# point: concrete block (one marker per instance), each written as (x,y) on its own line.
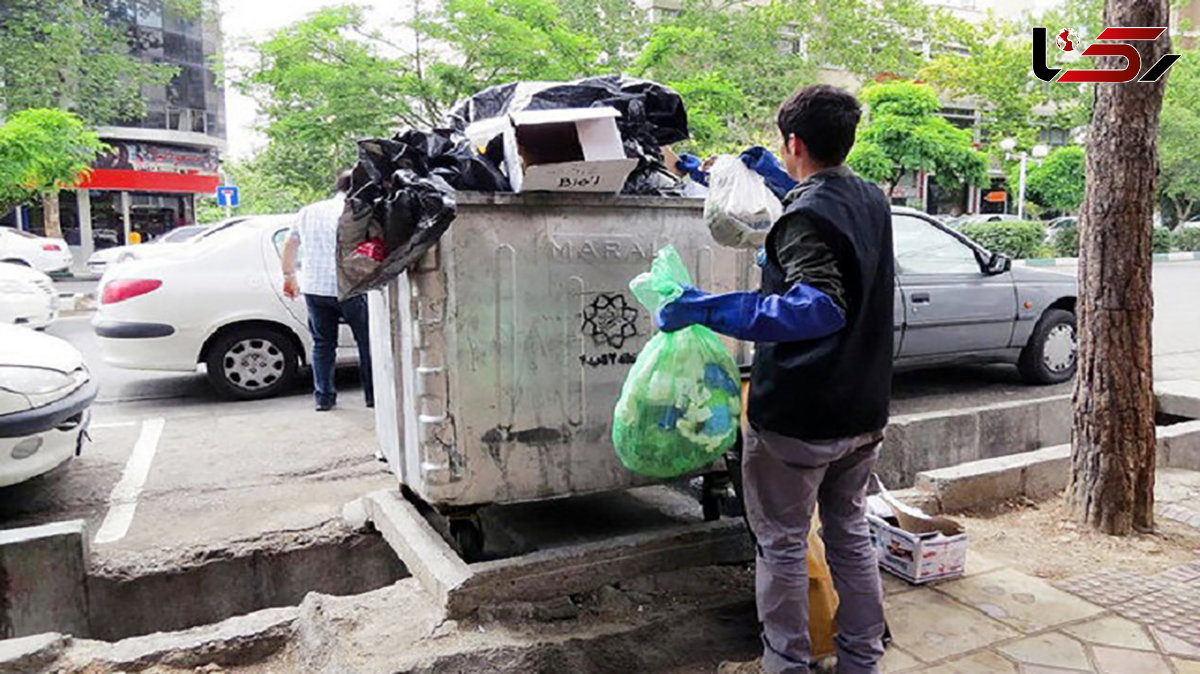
(238,641)
(1008,429)
(43,580)
(1179,445)
(925,501)
(938,439)
(579,568)
(428,557)
(1180,398)
(974,483)
(30,654)
(1055,419)
(1046,472)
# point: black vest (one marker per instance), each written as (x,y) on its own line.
(836,386)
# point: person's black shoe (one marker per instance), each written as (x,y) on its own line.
(324,407)
(370,404)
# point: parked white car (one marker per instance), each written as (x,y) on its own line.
(46,394)
(42,253)
(27,297)
(217,300)
(102,259)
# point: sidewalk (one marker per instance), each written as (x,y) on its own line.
(998,620)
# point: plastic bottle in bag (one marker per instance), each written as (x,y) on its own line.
(739,209)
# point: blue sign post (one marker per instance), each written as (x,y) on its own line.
(227,196)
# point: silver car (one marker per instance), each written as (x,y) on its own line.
(958,303)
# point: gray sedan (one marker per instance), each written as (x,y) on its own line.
(958,303)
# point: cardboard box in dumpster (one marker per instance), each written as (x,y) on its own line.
(913,545)
(566,150)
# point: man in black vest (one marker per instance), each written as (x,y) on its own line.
(822,327)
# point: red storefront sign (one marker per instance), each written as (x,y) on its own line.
(149,181)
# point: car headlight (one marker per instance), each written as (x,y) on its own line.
(17,288)
(34,380)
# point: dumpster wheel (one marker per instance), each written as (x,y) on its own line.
(467,533)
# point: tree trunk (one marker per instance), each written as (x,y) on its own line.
(1113,448)
(50,215)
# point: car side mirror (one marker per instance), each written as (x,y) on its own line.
(998,264)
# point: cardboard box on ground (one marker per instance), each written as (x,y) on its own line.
(563,150)
(912,545)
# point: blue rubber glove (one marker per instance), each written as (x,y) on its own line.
(803,313)
(760,160)
(690,164)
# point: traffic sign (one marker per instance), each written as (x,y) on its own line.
(227,196)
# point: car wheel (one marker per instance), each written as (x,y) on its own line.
(1051,355)
(251,363)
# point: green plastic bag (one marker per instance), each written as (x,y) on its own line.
(681,403)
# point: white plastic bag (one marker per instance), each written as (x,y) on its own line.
(740,208)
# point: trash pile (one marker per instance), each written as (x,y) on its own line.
(600,134)
(680,406)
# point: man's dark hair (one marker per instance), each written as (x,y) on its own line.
(343,182)
(824,117)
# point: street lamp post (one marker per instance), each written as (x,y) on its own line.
(1039,151)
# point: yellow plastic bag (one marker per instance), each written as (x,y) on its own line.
(822,597)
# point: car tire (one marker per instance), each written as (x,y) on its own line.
(1051,355)
(252,362)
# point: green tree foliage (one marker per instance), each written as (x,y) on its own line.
(735,62)
(1017,240)
(261,191)
(67,54)
(1057,183)
(1179,127)
(903,134)
(335,77)
(42,151)
(991,68)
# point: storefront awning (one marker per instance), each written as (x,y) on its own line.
(149,181)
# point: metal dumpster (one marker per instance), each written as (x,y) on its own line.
(499,357)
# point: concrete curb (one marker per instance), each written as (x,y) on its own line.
(1042,473)
(75,303)
(462,588)
(236,641)
(1073,261)
(1034,475)
(30,654)
(31,556)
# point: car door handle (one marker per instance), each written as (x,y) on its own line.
(920,298)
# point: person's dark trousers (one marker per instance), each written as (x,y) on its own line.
(324,314)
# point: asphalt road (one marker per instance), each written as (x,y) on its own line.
(216,472)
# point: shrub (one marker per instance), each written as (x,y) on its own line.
(1162,240)
(1188,240)
(1066,242)
(1018,240)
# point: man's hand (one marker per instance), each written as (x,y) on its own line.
(683,311)
(290,288)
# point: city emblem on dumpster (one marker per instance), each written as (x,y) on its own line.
(1066,41)
(610,320)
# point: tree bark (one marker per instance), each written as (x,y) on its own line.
(1113,448)
(51,218)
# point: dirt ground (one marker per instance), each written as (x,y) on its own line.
(1041,540)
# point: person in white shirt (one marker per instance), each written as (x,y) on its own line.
(315,239)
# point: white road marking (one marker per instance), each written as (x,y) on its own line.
(123,502)
(115,424)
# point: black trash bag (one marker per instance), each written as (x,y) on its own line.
(652,116)
(399,198)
